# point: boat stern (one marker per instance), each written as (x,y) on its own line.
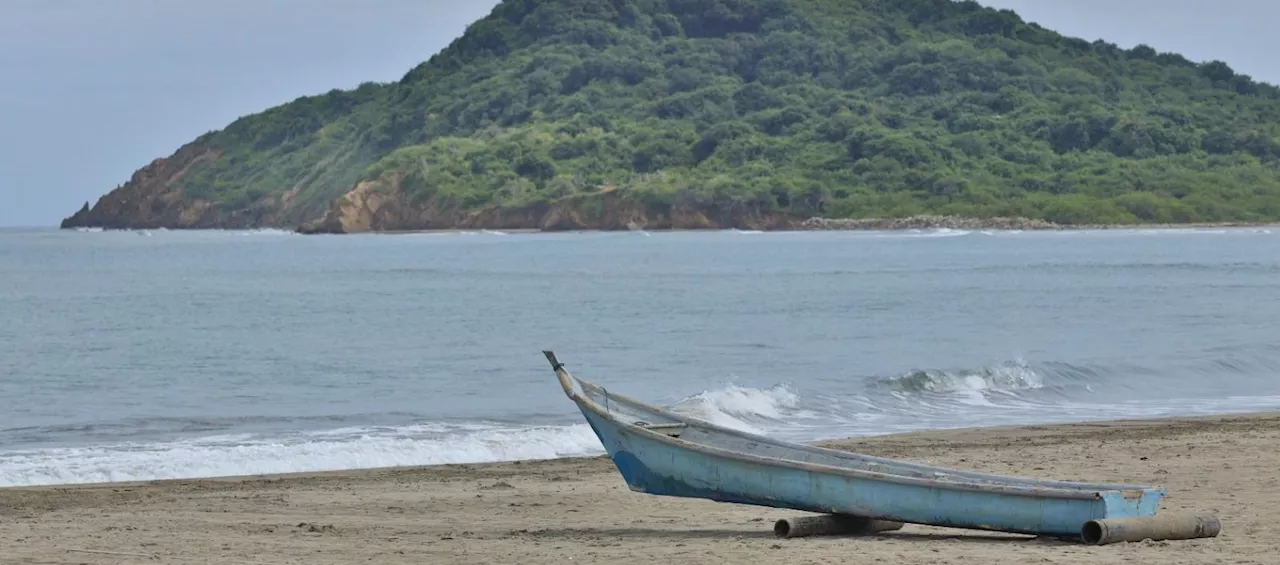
(1132,503)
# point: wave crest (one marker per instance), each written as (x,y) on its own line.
(1009,376)
(742,408)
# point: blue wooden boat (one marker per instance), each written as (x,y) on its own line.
(663,453)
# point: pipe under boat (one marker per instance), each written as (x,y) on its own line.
(1165,527)
(831,525)
(1155,528)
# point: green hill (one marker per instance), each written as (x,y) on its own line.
(746,113)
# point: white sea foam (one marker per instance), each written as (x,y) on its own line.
(919,233)
(264,231)
(743,408)
(350,448)
(748,409)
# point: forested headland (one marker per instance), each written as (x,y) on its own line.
(608,114)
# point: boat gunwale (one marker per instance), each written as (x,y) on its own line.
(1087,491)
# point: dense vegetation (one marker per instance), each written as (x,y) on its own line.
(839,108)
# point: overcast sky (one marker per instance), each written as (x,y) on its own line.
(91,90)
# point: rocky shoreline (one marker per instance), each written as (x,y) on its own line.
(922,222)
(1004,224)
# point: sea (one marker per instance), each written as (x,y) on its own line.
(138,355)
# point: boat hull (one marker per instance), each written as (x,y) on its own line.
(723,465)
(654,467)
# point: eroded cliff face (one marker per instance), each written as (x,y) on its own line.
(149,199)
(382,207)
(153,199)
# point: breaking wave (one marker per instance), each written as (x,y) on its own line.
(742,408)
(348,448)
(1009,392)
(1006,393)
(1010,376)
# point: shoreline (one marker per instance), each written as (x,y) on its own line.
(844,443)
(1071,427)
(913,223)
(552,511)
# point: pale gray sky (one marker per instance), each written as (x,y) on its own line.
(91,90)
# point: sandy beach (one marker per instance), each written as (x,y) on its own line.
(580,511)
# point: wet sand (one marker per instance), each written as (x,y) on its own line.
(580,511)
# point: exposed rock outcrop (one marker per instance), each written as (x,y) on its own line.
(373,206)
(150,199)
(153,199)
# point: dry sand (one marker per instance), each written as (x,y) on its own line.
(579,510)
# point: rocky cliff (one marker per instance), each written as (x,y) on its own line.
(149,199)
(374,206)
(153,198)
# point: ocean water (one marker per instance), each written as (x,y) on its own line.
(166,354)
